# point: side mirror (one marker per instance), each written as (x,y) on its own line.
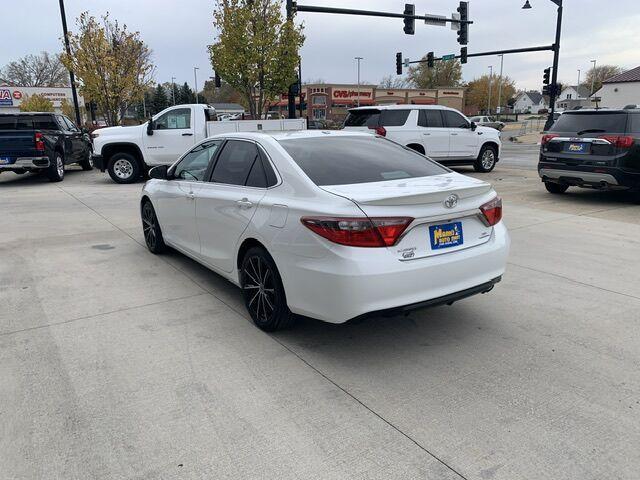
(159,172)
(150,126)
(473,126)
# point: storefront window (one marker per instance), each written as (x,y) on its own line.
(319,113)
(319,100)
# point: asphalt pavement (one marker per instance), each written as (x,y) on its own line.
(115,363)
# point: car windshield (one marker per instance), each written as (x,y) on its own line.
(345,160)
(591,122)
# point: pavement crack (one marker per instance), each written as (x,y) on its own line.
(370,409)
(88,317)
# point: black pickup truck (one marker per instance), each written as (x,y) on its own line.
(42,142)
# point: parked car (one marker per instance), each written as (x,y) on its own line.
(593,149)
(441,133)
(42,142)
(488,122)
(331,225)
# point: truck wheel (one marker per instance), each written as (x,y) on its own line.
(124,168)
(55,172)
(87,162)
(486,159)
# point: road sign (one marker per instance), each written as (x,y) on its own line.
(438,20)
(455,25)
(406,62)
(450,56)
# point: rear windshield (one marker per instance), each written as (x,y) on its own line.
(591,122)
(350,159)
(374,118)
(27,122)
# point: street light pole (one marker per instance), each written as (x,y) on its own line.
(195,79)
(72,77)
(500,85)
(490,85)
(578,83)
(173,89)
(358,60)
(593,76)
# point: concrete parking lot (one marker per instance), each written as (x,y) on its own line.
(115,363)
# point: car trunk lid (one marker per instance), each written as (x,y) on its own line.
(440,205)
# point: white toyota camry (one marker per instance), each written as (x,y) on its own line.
(331,225)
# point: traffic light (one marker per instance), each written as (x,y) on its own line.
(546,90)
(216,80)
(409,23)
(399,63)
(294,89)
(546,76)
(463,33)
(430,61)
(463,55)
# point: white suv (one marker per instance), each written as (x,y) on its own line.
(442,133)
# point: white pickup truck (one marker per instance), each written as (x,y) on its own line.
(128,152)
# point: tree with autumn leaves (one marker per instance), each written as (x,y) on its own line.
(112,64)
(256,50)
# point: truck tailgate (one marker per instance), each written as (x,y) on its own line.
(16,143)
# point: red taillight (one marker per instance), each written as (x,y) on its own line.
(359,231)
(547,138)
(620,141)
(492,211)
(380,130)
(39,142)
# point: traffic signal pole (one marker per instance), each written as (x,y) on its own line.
(496,52)
(554,76)
(72,77)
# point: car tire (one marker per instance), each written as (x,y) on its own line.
(263,292)
(124,168)
(87,162)
(55,172)
(555,187)
(487,159)
(151,229)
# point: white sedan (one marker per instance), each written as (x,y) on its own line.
(331,225)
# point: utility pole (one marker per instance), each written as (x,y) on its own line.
(72,77)
(499,109)
(593,76)
(173,89)
(195,79)
(490,85)
(358,60)
(578,83)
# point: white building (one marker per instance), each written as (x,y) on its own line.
(573,96)
(12,97)
(530,102)
(620,90)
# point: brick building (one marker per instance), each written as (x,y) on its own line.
(332,101)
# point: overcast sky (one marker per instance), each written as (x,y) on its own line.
(179,30)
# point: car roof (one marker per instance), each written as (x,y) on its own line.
(403,106)
(28,113)
(293,134)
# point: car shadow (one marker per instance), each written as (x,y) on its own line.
(31,179)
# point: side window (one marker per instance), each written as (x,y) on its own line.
(174,119)
(194,164)
(72,126)
(430,118)
(235,162)
(257,177)
(394,118)
(454,120)
(270,175)
(62,123)
(44,122)
(634,123)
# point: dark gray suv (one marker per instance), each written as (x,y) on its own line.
(592,148)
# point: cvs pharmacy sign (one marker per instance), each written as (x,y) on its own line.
(5,97)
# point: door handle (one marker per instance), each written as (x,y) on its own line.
(454,134)
(426,134)
(244,203)
(187,134)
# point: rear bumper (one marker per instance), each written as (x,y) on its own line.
(27,163)
(341,286)
(98,162)
(588,176)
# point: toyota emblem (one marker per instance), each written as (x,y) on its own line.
(451,201)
